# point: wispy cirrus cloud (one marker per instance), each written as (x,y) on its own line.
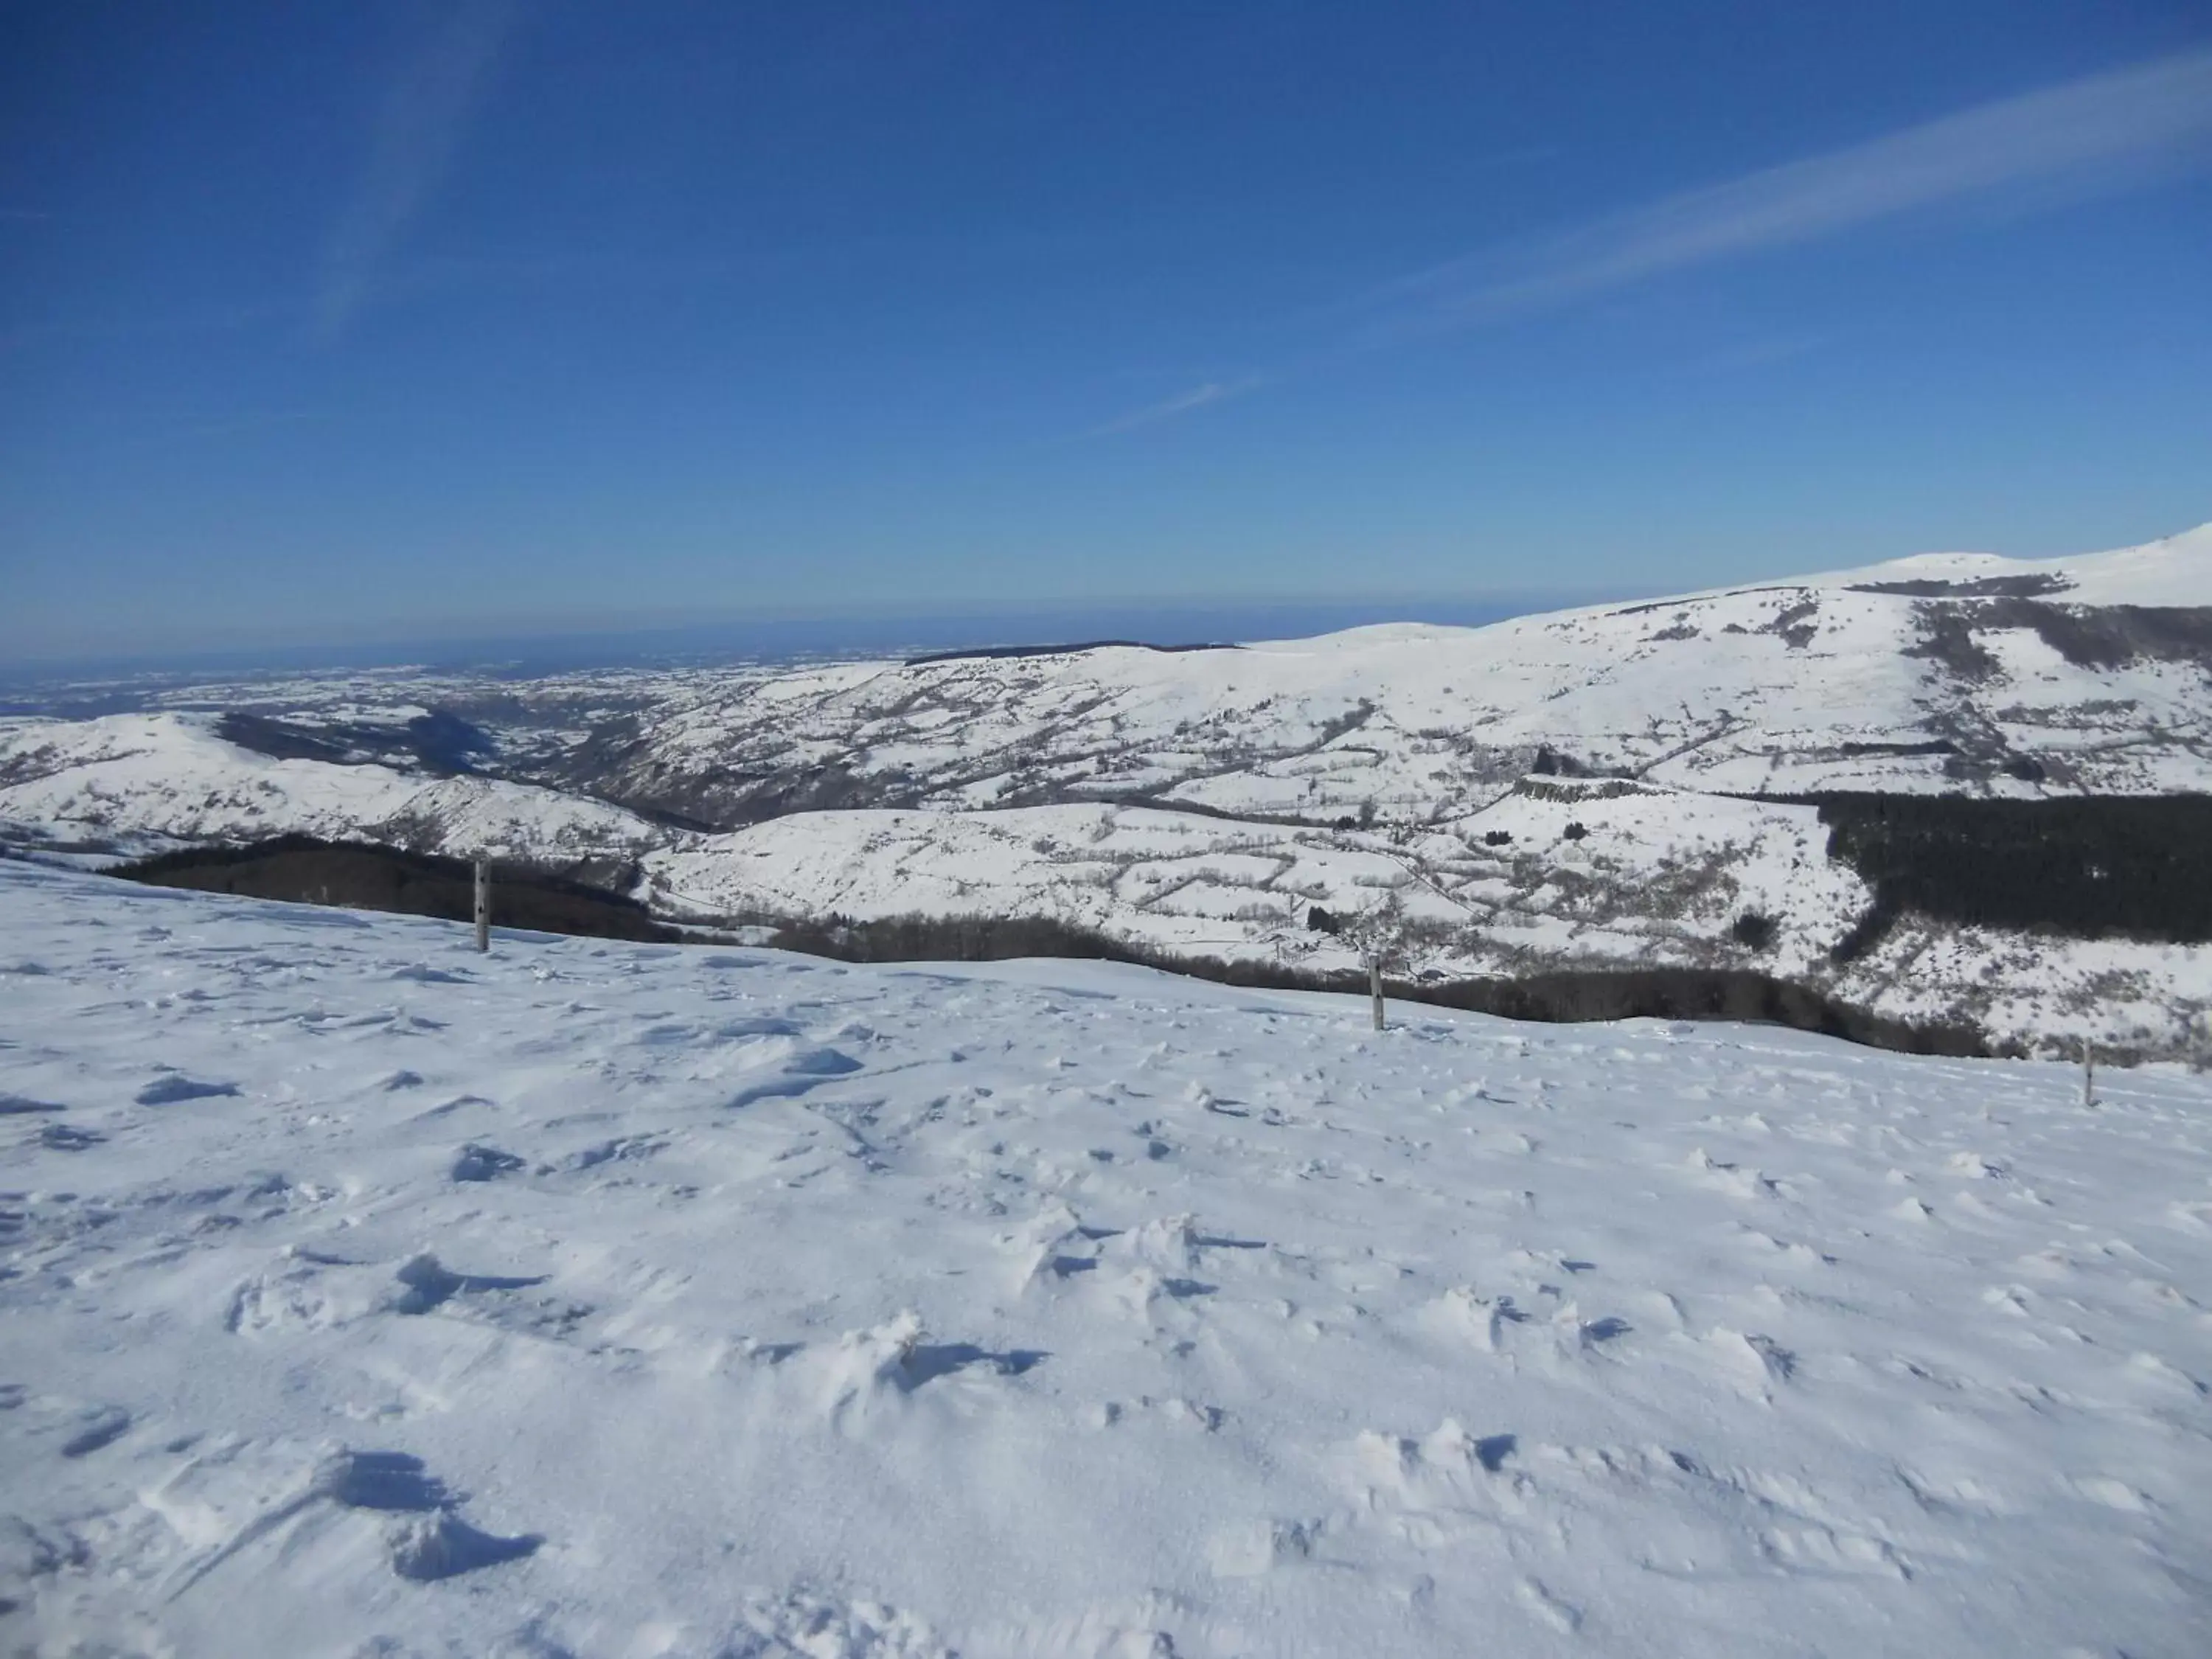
(424,114)
(1198,397)
(2090,136)
(2098,135)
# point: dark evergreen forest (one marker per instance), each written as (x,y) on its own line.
(2130,866)
(361,876)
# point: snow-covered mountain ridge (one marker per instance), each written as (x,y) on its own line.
(1600,788)
(2016,678)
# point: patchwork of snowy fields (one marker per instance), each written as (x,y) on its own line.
(365,1296)
(1584,790)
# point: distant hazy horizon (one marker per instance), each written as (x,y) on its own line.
(25,685)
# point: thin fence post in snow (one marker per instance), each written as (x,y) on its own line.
(2089,1073)
(1375,985)
(483,904)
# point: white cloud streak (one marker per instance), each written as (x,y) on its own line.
(2092,135)
(1199,397)
(424,114)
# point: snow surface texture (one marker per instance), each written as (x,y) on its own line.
(365,1296)
(1202,803)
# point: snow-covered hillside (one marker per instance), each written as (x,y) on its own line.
(363,1295)
(1948,672)
(1593,789)
(170,778)
(1658,879)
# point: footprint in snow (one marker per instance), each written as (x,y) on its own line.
(1257,1547)
(868,1371)
(443,1545)
(426,1283)
(802,1070)
(431,1542)
(79,1429)
(97,1428)
(757,1026)
(309,1291)
(176,1087)
(478,1162)
(392,1482)
(800,1622)
(625,1149)
(1562,1616)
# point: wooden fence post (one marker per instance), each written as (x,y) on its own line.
(2089,1073)
(1374,984)
(483,903)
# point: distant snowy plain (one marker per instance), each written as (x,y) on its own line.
(365,1296)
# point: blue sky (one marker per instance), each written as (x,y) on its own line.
(329,323)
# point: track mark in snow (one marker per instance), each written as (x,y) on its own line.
(623,1149)
(1433,1490)
(1174,1411)
(1484,1320)
(1753,1363)
(310,1291)
(1730,1178)
(1259,1547)
(480,1162)
(224,1502)
(176,1087)
(868,1371)
(1561,1616)
(811,1626)
(1975,1167)
(421,974)
(425,1283)
(426,1548)
(392,1482)
(100,1427)
(802,1070)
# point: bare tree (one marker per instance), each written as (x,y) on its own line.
(1378,934)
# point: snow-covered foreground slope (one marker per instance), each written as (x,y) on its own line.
(363,1295)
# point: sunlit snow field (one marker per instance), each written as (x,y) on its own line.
(365,1296)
